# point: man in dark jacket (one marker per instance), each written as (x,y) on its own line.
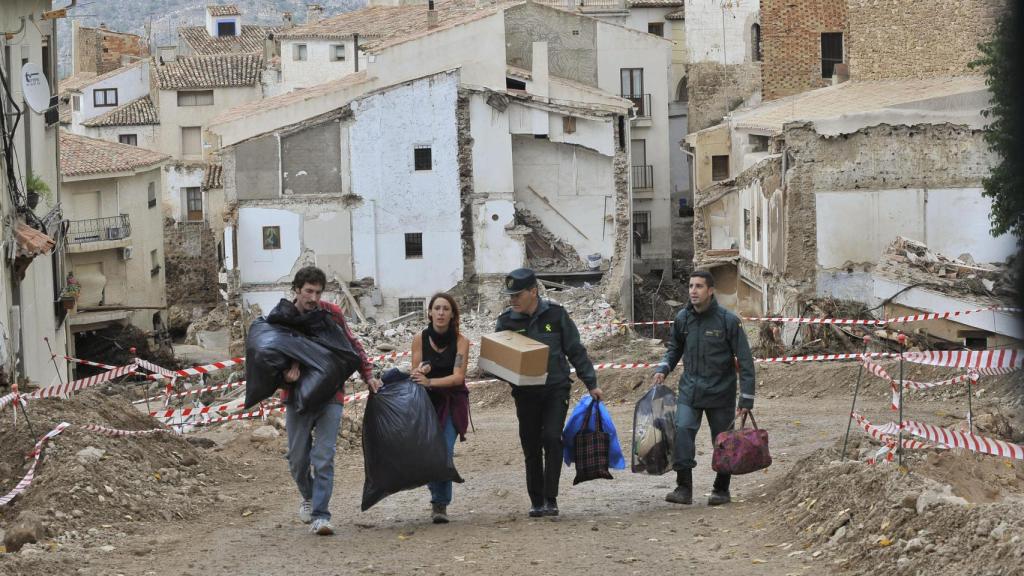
(541,409)
(710,341)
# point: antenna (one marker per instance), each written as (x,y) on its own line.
(35,87)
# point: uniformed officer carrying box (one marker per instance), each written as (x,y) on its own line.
(514,358)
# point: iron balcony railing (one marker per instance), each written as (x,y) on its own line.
(642,103)
(570,4)
(99,229)
(643,177)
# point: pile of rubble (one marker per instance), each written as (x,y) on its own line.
(956,513)
(544,250)
(912,262)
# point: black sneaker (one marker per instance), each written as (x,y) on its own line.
(719,497)
(536,511)
(681,495)
(550,507)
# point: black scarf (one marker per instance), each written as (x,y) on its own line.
(443,339)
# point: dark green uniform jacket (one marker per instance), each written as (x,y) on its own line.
(551,325)
(707,343)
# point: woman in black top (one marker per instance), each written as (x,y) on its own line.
(440,355)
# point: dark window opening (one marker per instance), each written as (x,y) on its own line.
(422,158)
(755,42)
(719,168)
(413,245)
(129,139)
(758,143)
(642,226)
(193,204)
(152,194)
(656,28)
(513,84)
(104,97)
(622,133)
(225,28)
(568,124)
(410,305)
(831,52)
(746,229)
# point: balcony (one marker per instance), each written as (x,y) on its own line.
(99,234)
(587,5)
(642,104)
(643,178)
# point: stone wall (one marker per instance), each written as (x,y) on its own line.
(100,51)
(791,43)
(715,89)
(875,158)
(571,39)
(190,255)
(919,39)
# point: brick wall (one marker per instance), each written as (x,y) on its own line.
(791,43)
(919,39)
(100,51)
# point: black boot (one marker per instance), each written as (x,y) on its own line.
(683,494)
(551,507)
(720,490)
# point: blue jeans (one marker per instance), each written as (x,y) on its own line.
(687,424)
(311,443)
(441,492)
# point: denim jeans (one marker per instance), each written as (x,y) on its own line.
(441,492)
(311,443)
(687,424)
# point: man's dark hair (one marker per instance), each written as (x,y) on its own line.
(309,275)
(708,278)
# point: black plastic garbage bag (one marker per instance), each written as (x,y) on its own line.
(403,445)
(314,340)
(654,431)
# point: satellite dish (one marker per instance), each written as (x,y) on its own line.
(35,87)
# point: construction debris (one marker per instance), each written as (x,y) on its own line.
(911,262)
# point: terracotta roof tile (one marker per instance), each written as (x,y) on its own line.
(223,10)
(82,156)
(212,177)
(250,41)
(218,71)
(31,242)
(82,79)
(677,15)
(138,112)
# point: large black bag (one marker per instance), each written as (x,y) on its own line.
(314,340)
(403,445)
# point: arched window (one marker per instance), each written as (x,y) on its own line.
(682,94)
(755,42)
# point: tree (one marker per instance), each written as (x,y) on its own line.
(1005,185)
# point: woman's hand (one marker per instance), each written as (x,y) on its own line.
(420,378)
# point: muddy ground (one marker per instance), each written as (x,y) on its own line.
(230,506)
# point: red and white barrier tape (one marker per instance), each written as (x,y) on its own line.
(114,433)
(945,315)
(788,320)
(972,442)
(258,413)
(887,434)
(226,386)
(824,357)
(978,359)
(86,362)
(186,412)
(879,371)
(147,365)
(76,385)
(388,356)
(37,453)
(205,369)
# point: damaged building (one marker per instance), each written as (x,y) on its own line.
(428,180)
(803,196)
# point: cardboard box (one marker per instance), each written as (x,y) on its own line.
(514,358)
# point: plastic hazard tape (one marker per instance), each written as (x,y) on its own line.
(205,369)
(894,384)
(844,321)
(978,359)
(76,385)
(186,412)
(388,356)
(114,433)
(37,453)
(945,315)
(146,365)
(972,442)
(258,413)
(226,386)
(887,433)
(86,362)
(824,357)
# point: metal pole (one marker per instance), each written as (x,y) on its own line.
(853,406)
(899,445)
(53,358)
(972,380)
(18,404)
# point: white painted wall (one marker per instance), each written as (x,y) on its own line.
(147,135)
(719,30)
(856,226)
(259,266)
(318,67)
(131,83)
(177,177)
(399,200)
(213,21)
(174,117)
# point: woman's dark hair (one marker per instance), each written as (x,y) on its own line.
(309,275)
(451,302)
(708,278)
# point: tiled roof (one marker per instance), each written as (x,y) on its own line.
(288,98)
(378,24)
(676,15)
(223,10)
(82,79)
(138,112)
(212,177)
(31,242)
(250,41)
(82,156)
(852,97)
(656,3)
(219,71)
